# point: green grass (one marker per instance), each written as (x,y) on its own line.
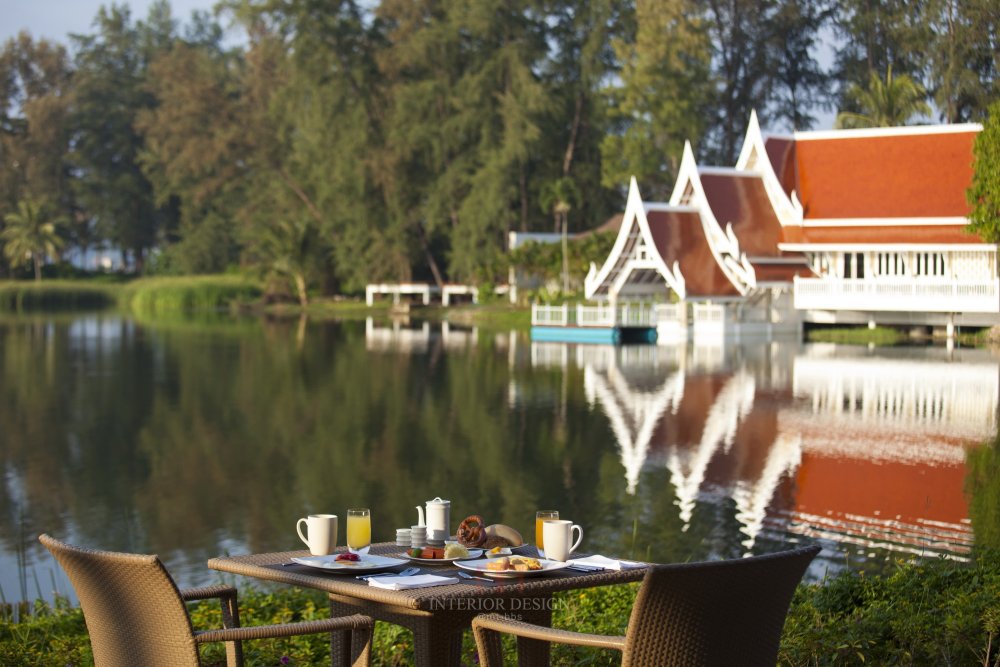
(857,336)
(936,613)
(168,295)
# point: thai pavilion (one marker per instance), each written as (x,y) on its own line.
(855,226)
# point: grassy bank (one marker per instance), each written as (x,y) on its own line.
(939,613)
(155,296)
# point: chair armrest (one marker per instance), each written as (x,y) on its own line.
(487,630)
(355,622)
(207,592)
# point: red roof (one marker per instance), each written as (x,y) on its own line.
(781,273)
(908,174)
(679,236)
(742,201)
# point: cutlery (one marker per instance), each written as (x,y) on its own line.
(585,568)
(405,573)
(466,575)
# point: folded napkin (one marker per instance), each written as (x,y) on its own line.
(394,583)
(606,563)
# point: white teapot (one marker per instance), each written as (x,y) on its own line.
(438,516)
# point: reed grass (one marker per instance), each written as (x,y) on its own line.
(166,295)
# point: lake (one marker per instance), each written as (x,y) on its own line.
(192,439)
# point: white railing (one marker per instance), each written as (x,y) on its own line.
(671,312)
(901,294)
(602,315)
(595,316)
(551,316)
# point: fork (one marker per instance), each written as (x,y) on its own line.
(405,573)
(466,575)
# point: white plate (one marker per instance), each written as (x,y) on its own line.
(479,566)
(473,553)
(368,563)
(506,551)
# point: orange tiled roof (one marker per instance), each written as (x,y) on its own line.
(896,175)
(679,236)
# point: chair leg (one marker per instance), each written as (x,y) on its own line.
(231,619)
(489,647)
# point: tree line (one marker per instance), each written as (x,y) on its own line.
(343,142)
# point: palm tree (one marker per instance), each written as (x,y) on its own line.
(559,197)
(31,234)
(884,103)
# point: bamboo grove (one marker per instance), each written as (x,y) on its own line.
(324,144)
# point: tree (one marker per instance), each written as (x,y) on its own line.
(195,151)
(31,235)
(558,198)
(665,96)
(740,32)
(878,35)
(964,59)
(984,193)
(799,83)
(884,103)
(110,93)
(35,98)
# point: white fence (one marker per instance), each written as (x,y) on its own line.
(925,295)
(624,315)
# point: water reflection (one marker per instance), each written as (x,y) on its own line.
(862,448)
(191,439)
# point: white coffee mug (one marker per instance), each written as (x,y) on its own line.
(557,535)
(322,533)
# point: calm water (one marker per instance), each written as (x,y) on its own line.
(196,439)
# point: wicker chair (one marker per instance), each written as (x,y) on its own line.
(715,613)
(136,615)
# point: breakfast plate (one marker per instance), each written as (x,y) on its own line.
(473,553)
(368,563)
(480,567)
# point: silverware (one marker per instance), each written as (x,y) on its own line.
(466,575)
(405,573)
(585,568)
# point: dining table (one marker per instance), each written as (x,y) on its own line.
(438,615)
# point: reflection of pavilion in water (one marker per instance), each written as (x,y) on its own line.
(399,335)
(862,450)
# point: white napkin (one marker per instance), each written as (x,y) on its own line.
(393,583)
(606,563)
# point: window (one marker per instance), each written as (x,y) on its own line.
(854,265)
(929,264)
(890,264)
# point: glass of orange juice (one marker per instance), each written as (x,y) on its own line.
(541,516)
(359,530)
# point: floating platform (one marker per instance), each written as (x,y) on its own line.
(594,335)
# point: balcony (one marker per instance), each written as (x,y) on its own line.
(898,294)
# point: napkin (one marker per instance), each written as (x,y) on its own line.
(394,583)
(606,563)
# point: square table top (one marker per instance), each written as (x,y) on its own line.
(277,567)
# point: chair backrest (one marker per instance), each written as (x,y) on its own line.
(716,613)
(133,610)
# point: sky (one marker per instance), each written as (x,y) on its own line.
(55,19)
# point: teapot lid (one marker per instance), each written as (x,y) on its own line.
(438,501)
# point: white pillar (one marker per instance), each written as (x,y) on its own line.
(950,327)
(871,324)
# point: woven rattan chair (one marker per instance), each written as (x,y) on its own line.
(689,615)
(136,615)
